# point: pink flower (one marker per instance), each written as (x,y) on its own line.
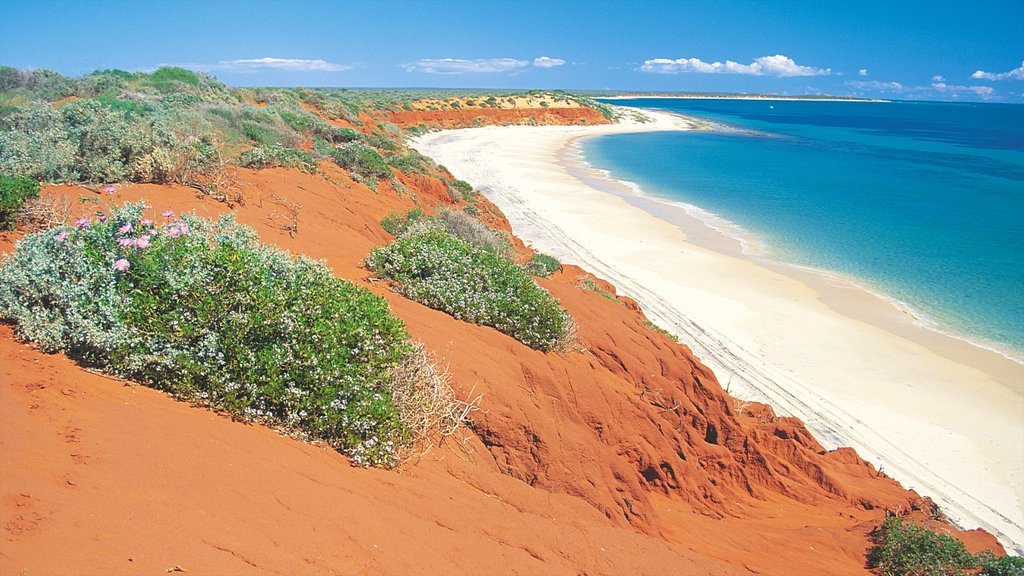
(168,214)
(146,222)
(126,242)
(61,236)
(152,231)
(102,217)
(82,222)
(126,229)
(121,265)
(183,226)
(110,190)
(142,242)
(173,232)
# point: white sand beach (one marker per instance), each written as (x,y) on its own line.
(940,415)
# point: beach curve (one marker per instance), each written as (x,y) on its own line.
(942,419)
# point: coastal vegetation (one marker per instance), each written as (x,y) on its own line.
(473,284)
(13,193)
(904,548)
(202,310)
(178,126)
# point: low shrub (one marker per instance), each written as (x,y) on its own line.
(991,565)
(260,134)
(543,265)
(362,161)
(272,155)
(13,193)
(473,284)
(905,549)
(396,224)
(202,310)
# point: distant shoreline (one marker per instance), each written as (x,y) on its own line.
(739,97)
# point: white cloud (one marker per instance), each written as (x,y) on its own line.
(777,65)
(875,85)
(545,62)
(955,91)
(460,66)
(1015,74)
(863,72)
(282,64)
(938,78)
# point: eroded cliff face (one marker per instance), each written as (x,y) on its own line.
(623,456)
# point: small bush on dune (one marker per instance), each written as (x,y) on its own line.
(903,548)
(473,284)
(202,310)
(274,155)
(542,265)
(396,224)
(13,193)
(362,160)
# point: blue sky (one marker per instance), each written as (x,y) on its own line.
(894,49)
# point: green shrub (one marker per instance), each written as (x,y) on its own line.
(267,156)
(999,566)
(260,134)
(472,284)
(13,193)
(362,161)
(168,74)
(396,224)
(906,549)
(202,310)
(542,265)
(461,190)
(86,141)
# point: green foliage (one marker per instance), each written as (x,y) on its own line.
(461,190)
(202,310)
(411,162)
(168,74)
(661,330)
(999,566)
(592,285)
(91,142)
(117,104)
(906,549)
(13,193)
(475,285)
(362,160)
(272,155)
(396,224)
(260,134)
(542,265)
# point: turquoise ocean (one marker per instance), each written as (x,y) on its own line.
(922,202)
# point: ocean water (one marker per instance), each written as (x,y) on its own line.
(922,202)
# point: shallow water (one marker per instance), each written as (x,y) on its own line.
(920,201)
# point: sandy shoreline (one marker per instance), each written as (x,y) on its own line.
(941,416)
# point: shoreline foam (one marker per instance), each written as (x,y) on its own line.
(826,354)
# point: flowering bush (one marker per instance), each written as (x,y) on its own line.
(202,310)
(473,284)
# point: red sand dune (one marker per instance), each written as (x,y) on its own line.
(623,458)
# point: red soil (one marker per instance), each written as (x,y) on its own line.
(625,457)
